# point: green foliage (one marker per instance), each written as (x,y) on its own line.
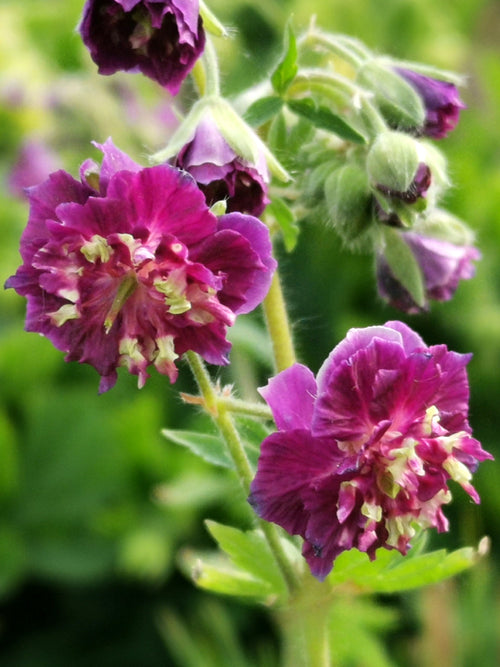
(403,265)
(322,118)
(285,72)
(263,110)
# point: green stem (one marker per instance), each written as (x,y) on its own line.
(259,410)
(278,326)
(304,627)
(209,59)
(221,416)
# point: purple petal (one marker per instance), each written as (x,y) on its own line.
(291,395)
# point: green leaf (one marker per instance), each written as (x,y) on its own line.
(284,74)
(321,117)
(403,265)
(391,572)
(263,110)
(211,448)
(285,218)
(214,572)
(250,553)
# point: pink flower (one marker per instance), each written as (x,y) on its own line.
(128,267)
(161,38)
(364,452)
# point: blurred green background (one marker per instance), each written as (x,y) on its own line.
(94,505)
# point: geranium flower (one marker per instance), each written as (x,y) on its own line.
(161,38)
(364,452)
(442,265)
(128,267)
(221,173)
(441,100)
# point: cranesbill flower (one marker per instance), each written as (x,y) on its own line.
(442,265)
(160,38)
(364,452)
(128,267)
(441,100)
(221,173)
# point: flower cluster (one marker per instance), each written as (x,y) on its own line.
(364,452)
(128,267)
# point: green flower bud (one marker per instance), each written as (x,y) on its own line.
(348,199)
(443,225)
(392,162)
(398,101)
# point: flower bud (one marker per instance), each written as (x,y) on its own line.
(441,100)
(397,99)
(348,199)
(393,163)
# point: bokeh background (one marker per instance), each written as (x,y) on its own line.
(95,506)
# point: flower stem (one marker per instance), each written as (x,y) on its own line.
(209,58)
(278,326)
(220,414)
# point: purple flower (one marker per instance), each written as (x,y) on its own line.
(441,100)
(442,265)
(161,38)
(364,452)
(221,173)
(128,267)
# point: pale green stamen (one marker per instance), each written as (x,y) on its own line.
(96,248)
(67,312)
(125,290)
(174,290)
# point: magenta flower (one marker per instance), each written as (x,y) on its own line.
(221,173)
(161,38)
(442,266)
(364,452)
(441,100)
(128,267)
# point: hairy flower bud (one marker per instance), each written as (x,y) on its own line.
(348,200)
(395,167)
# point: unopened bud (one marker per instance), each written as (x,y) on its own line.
(348,200)
(395,167)
(399,102)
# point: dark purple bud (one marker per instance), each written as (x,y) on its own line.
(441,99)
(160,38)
